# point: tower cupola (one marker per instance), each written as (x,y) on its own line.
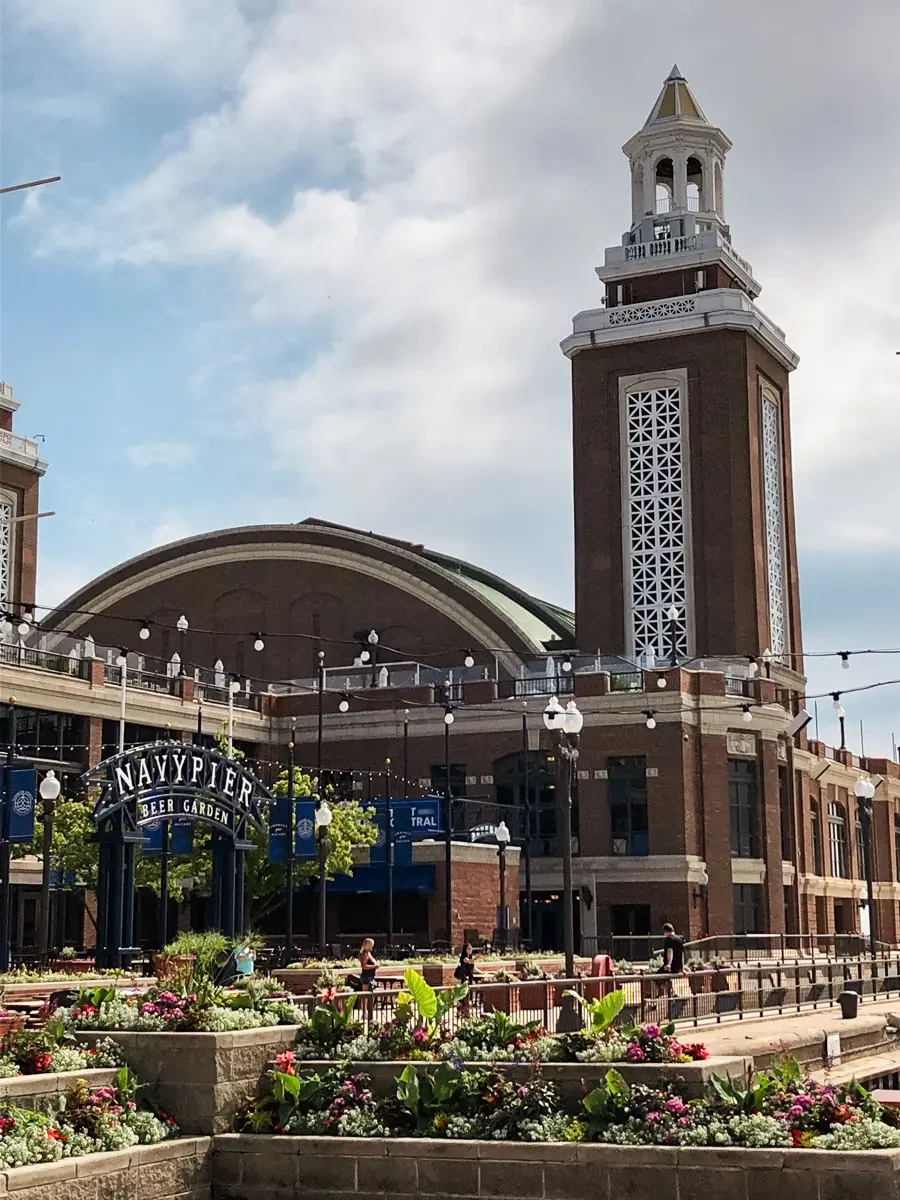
(677,163)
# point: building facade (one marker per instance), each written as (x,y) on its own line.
(696,799)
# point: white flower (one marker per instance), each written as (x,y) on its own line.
(864,1133)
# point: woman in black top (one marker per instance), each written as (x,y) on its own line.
(367,964)
(465,972)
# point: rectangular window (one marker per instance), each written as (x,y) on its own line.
(699,281)
(743,803)
(629,825)
(457,779)
(747,902)
(860,851)
(656,520)
(773,491)
(816,831)
(838,850)
(897,848)
(784,800)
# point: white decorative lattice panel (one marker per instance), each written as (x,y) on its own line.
(7,512)
(655,310)
(773,495)
(656,520)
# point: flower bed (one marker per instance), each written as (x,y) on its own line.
(419,1032)
(206,1011)
(87,1121)
(780,1109)
(53,1049)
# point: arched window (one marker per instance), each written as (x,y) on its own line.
(719,200)
(665,185)
(815,818)
(837,841)
(7,547)
(696,200)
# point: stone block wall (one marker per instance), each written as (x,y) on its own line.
(279,1168)
(202,1078)
(39,1091)
(178,1170)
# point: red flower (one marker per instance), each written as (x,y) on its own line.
(55,1135)
(796,1135)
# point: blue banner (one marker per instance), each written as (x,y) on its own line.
(182,839)
(62,879)
(305,828)
(20,789)
(153,832)
(412,821)
(279,832)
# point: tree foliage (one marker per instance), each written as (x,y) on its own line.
(74,851)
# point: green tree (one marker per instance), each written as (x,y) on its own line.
(74,851)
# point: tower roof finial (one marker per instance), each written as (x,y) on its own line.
(676,100)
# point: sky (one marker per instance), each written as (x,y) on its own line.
(315,257)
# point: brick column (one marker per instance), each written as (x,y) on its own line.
(94,740)
(770,812)
(711,782)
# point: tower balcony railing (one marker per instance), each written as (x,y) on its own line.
(716,300)
(24,446)
(709,239)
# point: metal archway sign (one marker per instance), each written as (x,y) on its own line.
(162,782)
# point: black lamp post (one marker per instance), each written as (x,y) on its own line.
(289,865)
(6,849)
(672,615)
(448,828)
(864,790)
(406,754)
(389,850)
(565,725)
(320,682)
(323,820)
(526,846)
(182,626)
(839,709)
(49,789)
(502,834)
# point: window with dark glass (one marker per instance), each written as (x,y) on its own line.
(784,802)
(896,847)
(815,820)
(747,902)
(629,824)
(457,779)
(838,850)
(743,803)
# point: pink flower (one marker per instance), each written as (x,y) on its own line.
(795,1112)
(653,1118)
(676,1105)
(651,1032)
(635,1054)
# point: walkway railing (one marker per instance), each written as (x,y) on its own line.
(748,948)
(696,998)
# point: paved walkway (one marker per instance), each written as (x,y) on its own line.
(780,1034)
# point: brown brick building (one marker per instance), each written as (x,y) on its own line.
(693,802)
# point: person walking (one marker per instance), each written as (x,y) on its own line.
(673,951)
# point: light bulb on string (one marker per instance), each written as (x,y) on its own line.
(344,705)
(661,681)
(567,663)
(836,702)
(258,643)
(845,659)
(122,658)
(651,719)
(144,633)
(746,714)
(752,665)
(449,717)
(469,660)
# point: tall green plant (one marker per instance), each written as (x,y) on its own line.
(600,1012)
(421,1005)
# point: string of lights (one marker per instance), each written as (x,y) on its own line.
(25,622)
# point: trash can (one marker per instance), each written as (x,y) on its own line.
(849,1002)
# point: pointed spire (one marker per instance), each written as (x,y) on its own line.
(675,101)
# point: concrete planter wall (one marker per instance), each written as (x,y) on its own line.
(202,1079)
(570,1078)
(178,1170)
(36,1091)
(247,1167)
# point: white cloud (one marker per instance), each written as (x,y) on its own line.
(171,526)
(421,191)
(160,454)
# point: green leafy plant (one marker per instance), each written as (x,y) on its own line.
(607,1101)
(421,1003)
(600,1012)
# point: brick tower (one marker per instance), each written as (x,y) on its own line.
(21,468)
(684,520)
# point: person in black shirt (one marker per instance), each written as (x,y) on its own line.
(673,951)
(465,972)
